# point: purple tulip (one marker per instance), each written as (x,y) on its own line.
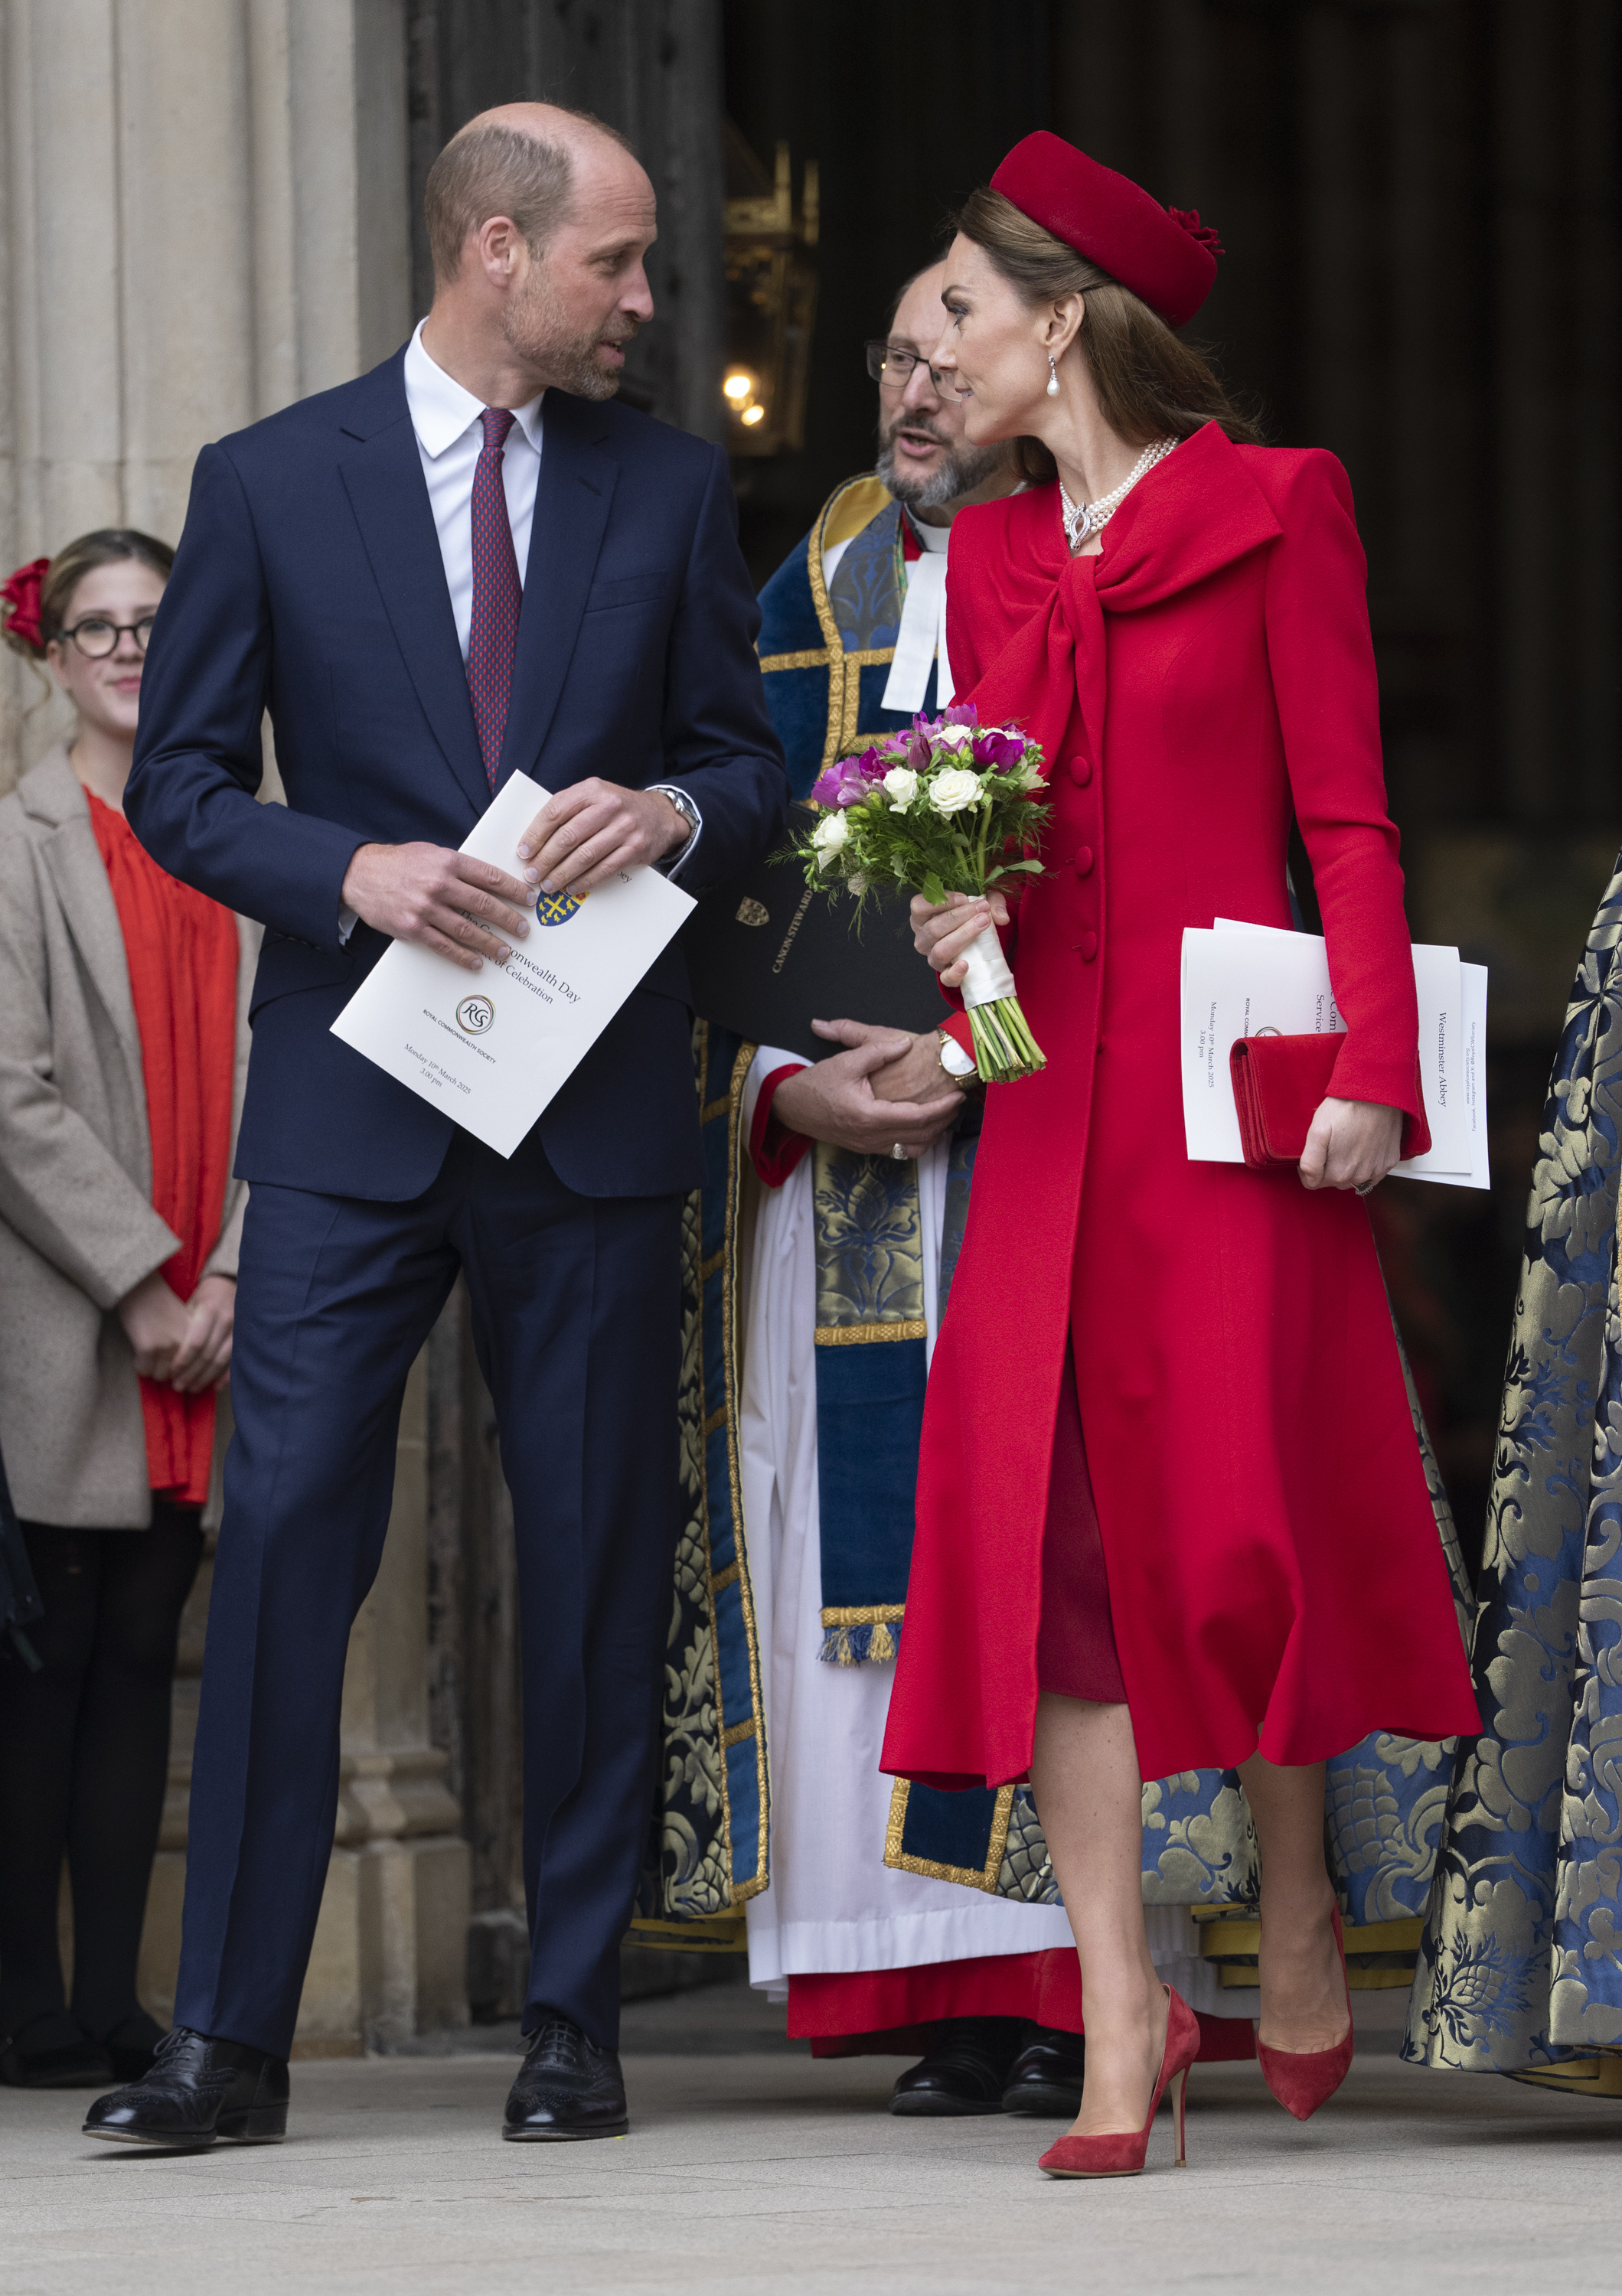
(1001,750)
(962,713)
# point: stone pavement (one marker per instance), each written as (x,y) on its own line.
(758,2170)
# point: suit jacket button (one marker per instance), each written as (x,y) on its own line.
(1081,771)
(1083,861)
(1089,947)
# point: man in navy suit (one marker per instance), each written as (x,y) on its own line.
(352,566)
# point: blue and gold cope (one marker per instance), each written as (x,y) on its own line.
(825,650)
(1520,1970)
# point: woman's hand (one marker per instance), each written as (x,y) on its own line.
(203,1356)
(945,934)
(1351,1144)
(156,1324)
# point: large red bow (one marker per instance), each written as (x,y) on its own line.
(1205,233)
(20,597)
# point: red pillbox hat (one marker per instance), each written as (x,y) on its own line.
(1164,255)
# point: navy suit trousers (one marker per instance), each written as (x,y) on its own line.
(575,1318)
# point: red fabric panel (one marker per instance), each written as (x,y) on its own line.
(892,2012)
(181,951)
(774,1150)
(1076,1653)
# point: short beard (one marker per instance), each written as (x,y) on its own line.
(532,325)
(963,468)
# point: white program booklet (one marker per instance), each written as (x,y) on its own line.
(1239,978)
(494,1048)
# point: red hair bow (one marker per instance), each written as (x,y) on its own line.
(20,597)
(1205,233)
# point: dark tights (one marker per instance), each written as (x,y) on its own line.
(83,1759)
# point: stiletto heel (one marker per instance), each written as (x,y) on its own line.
(1123,2152)
(1181,2111)
(1304,2079)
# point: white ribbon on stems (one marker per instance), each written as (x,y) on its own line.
(988,976)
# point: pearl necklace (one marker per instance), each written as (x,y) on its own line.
(1083,518)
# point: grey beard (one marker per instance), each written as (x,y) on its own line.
(963,469)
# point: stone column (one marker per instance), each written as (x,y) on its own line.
(203,216)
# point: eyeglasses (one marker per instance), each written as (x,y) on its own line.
(891,367)
(98,638)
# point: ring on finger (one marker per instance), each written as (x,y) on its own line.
(1366,1187)
(899,1153)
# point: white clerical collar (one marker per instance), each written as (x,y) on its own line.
(929,538)
(442,412)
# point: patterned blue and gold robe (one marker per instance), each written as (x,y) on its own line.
(1521,1967)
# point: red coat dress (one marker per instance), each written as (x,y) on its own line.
(1275,1576)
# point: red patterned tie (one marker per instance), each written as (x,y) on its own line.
(497,594)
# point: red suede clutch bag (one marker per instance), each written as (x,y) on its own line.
(1278,1084)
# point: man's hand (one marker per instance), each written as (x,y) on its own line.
(203,1356)
(945,934)
(581,836)
(835,1099)
(439,898)
(1351,1144)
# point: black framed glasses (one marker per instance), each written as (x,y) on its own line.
(891,365)
(97,637)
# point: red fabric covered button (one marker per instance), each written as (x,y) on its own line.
(1081,771)
(1089,947)
(1083,862)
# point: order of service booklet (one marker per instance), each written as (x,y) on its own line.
(494,1048)
(1238,980)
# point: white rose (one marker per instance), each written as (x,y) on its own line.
(954,737)
(951,791)
(901,787)
(831,832)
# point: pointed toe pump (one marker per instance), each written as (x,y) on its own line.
(1122,2154)
(1304,2079)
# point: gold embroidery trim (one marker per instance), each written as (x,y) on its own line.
(723,1579)
(866,1614)
(739,1732)
(969,1877)
(809,657)
(857,1335)
(730,1357)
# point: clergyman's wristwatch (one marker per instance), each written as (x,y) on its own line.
(956,1062)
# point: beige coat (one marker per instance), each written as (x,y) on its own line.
(78,1230)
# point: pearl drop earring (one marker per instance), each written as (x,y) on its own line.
(1053,377)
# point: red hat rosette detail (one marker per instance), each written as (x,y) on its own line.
(1166,256)
(19,604)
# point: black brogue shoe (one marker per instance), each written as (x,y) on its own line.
(568,2087)
(199,2088)
(1045,2078)
(964,2071)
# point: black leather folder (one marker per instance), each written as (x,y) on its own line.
(767,953)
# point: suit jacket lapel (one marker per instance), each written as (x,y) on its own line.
(383,474)
(571,510)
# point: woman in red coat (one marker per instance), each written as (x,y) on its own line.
(1171,1511)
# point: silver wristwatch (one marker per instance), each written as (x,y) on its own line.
(689,814)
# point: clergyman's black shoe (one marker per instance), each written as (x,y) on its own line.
(1045,2080)
(199,2088)
(964,2071)
(568,2087)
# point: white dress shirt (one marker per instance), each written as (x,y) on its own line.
(450,438)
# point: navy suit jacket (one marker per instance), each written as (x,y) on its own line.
(308,582)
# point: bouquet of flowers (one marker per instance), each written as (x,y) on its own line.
(950,806)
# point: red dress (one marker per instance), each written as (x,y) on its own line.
(1274,1574)
(183,952)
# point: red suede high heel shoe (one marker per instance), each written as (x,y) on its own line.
(1122,2153)
(1304,2079)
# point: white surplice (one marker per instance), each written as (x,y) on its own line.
(832,1904)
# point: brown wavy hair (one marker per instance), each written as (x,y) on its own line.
(1151,384)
